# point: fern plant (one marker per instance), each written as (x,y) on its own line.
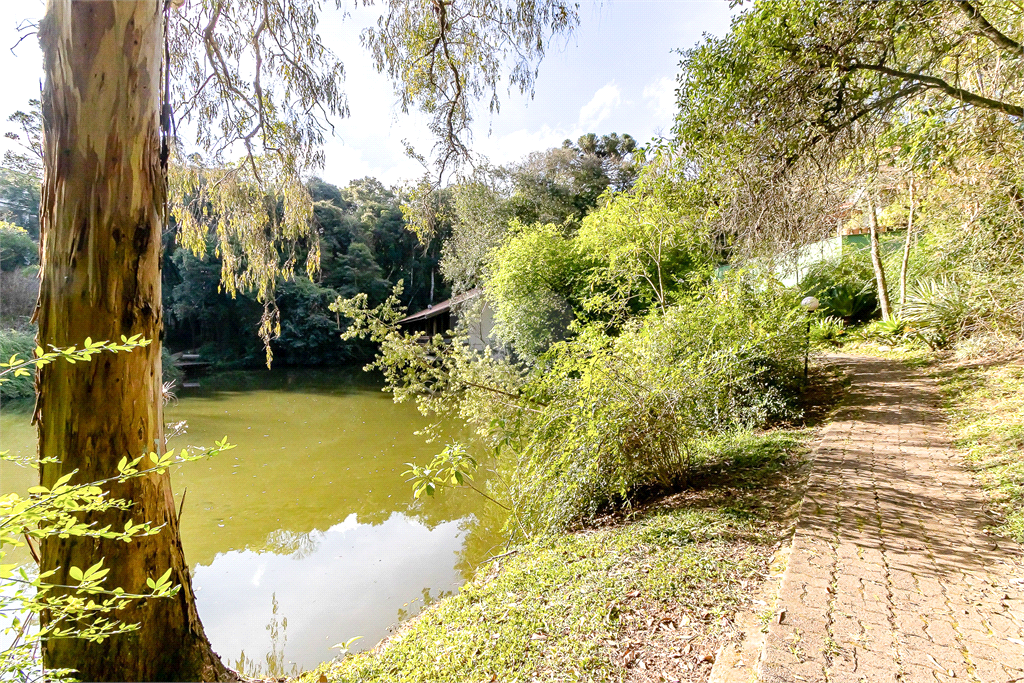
(828,331)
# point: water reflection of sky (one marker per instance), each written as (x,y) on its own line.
(315,450)
(351,580)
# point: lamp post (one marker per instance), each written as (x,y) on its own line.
(809,304)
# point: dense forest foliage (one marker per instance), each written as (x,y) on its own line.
(365,246)
(635,340)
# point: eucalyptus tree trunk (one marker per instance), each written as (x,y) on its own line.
(905,263)
(876,260)
(102,212)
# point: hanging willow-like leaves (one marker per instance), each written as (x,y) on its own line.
(256,84)
(258,210)
(444,55)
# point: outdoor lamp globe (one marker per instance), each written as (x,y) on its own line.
(810,304)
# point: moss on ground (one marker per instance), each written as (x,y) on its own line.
(644,596)
(986,407)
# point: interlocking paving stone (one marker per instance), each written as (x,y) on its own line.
(893,576)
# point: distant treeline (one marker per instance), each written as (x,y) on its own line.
(366,246)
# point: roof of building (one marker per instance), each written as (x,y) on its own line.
(441,307)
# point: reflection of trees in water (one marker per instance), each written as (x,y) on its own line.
(274,662)
(479,521)
(333,382)
(298,545)
(411,609)
(485,537)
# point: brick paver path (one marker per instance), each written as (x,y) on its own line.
(892,575)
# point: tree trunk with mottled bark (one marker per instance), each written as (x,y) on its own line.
(103,209)
(876,260)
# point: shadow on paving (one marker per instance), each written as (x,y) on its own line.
(894,574)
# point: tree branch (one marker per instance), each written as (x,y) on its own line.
(939,84)
(988,30)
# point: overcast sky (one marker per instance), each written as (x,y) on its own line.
(616,74)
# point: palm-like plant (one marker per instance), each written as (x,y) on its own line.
(938,310)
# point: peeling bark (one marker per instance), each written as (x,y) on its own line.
(102,211)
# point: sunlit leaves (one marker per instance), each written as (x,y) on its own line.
(162,584)
(18,366)
(82,607)
(451,467)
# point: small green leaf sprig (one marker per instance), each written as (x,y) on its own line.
(452,467)
(84,608)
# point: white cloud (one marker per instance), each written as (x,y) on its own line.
(600,106)
(345,586)
(661,97)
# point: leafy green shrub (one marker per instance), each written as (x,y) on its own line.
(534,273)
(17,249)
(892,331)
(23,344)
(599,419)
(939,310)
(628,415)
(845,287)
(828,331)
(639,250)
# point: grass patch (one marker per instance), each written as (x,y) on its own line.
(986,408)
(913,355)
(645,594)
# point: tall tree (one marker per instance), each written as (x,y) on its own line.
(103,208)
(908,241)
(251,75)
(876,256)
(809,72)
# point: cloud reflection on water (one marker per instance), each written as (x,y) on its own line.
(294,602)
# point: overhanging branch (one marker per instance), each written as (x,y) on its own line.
(990,31)
(939,84)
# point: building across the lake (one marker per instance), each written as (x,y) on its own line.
(469,307)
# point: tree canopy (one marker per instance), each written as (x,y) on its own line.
(773,112)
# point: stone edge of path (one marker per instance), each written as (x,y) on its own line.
(739,659)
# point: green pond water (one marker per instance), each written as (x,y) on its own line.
(306,534)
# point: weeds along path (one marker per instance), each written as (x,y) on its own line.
(894,575)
